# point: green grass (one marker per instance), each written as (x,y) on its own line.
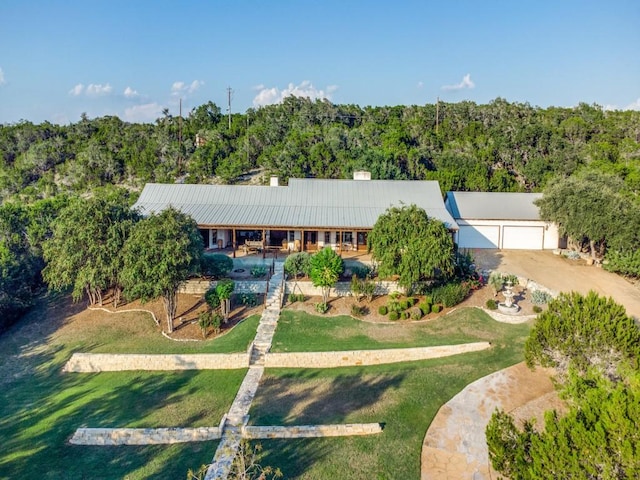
(40,407)
(405,397)
(301,332)
(136,333)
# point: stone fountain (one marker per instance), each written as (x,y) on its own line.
(508,306)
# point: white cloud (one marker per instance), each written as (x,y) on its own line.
(98,89)
(181,88)
(130,93)
(268,96)
(143,113)
(2,80)
(77,90)
(465,83)
(633,105)
(420,84)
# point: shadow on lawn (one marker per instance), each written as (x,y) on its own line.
(40,411)
(311,398)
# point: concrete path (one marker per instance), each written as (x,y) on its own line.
(238,415)
(455,445)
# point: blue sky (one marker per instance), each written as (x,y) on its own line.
(133,58)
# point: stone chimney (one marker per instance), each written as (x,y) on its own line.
(361,175)
(275,181)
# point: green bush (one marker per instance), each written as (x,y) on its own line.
(258,271)
(416,313)
(404,304)
(358,311)
(322,307)
(293,298)
(492,304)
(425,308)
(297,264)
(435,308)
(404,315)
(393,316)
(540,297)
(249,299)
(537,309)
(216,265)
(411,301)
(382,310)
(626,263)
(450,294)
(428,299)
(212,298)
(360,271)
(301,297)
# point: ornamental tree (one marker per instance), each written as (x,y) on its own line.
(325,268)
(162,252)
(407,243)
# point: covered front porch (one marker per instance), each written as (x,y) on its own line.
(247,241)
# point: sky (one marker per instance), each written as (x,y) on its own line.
(134,58)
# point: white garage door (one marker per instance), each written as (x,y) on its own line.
(478,236)
(523,238)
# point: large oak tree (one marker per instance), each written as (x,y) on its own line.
(406,242)
(161,253)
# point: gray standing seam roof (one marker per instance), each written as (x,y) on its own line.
(304,203)
(493,205)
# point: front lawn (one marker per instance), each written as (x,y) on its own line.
(40,407)
(301,332)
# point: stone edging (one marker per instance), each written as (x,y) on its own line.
(128,310)
(166,436)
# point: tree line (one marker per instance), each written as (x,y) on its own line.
(499,146)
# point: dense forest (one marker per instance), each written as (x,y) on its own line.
(500,146)
(587,151)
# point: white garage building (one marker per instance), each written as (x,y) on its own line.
(500,220)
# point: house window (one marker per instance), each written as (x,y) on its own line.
(327,238)
(347,237)
(292,235)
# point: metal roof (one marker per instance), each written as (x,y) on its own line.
(304,203)
(493,205)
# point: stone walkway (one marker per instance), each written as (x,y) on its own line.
(238,415)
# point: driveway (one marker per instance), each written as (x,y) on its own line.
(454,446)
(561,274)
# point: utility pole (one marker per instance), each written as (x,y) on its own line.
(229,93)
(180,139)
(437,113)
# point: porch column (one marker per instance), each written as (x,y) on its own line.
(233,241)
(264,242)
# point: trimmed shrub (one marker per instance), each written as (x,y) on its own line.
(428,299)
(540,297)
(301,297)
(450,294)
(382,310)
(492,304)
(360,271)
(404,304)
(537,309)
(393,316)
(425,308)
(358,311)
(435,308)
(293,298)
(216,265)
(416,313)
(322,307)
(258,271)
(297,264)
(404,315)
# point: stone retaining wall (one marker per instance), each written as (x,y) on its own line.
(109,362)
(143,436)
(312,431)
(200,287)
(342,289)
(366,357)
